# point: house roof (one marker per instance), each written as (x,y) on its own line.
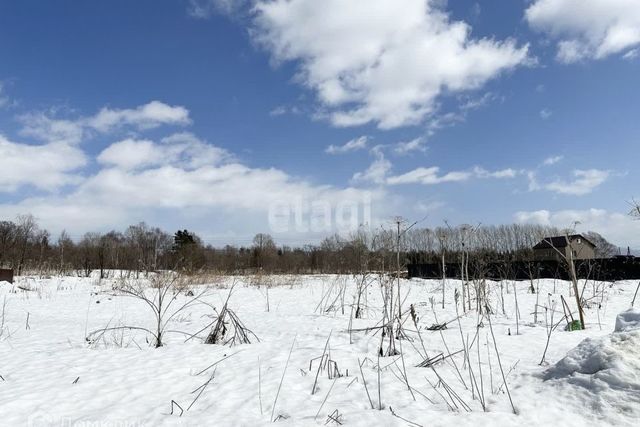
(560,241)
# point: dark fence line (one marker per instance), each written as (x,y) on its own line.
(607,269)
(6,275)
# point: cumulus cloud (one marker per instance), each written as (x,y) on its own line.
(46,167)
(355,144)
(587,29)
(131,154)
(614,226)
(184,149)
(141,178)
(147,116)
(151,115)
(545,113)
(382,61)
(44,128)
(182,171)
(584,182)
(377,171)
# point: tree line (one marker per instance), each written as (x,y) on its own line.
(29,249)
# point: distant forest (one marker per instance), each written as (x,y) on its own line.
(29,249)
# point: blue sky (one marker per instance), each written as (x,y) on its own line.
(206,114)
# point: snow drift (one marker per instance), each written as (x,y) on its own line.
(628,320)
(608,368)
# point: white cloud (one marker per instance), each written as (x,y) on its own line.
(179,149)
(545,113)
(180,176)
(428,176)
(542,217)
(131,154)
(584,182)
(151,115)
(383,61)
(440,120)
(147,116)
(632,54)
(231,186)
(616,227)
(549,161)
(416,144)
(431,175)
(47,167)
(533,181)
(355,144)
(377,171)
(587,29)
(503,173)
(278,111)
(281,110)
(203,9)
(474,103)
(44,128)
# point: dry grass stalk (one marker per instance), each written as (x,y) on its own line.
(273,408)
(229,329)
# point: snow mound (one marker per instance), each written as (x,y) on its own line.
(607,368)
(628,320)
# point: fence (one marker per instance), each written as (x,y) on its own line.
(607,269)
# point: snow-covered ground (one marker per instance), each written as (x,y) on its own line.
(52,376)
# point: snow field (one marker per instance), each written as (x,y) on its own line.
(52,376)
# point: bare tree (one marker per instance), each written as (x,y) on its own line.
(604,248)
(264,250)
(27,226)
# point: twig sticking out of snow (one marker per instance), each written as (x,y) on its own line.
(364,381)
(403,419)
(216,363)
(326,397)
(273,409)
(202,388)
(633,301)
(504,378)
(315,382)
(174,403)
(335,417)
